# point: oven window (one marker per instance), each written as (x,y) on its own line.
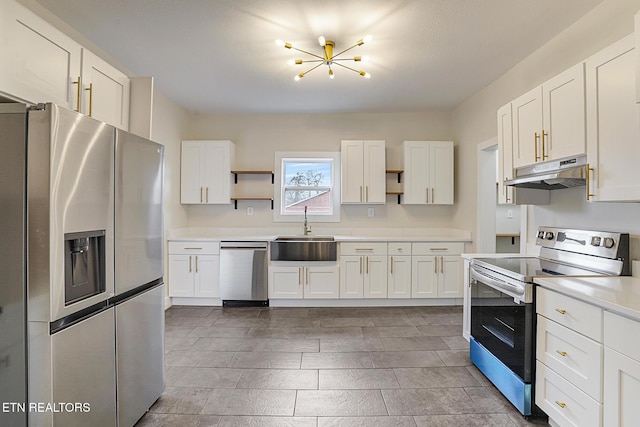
(503,327)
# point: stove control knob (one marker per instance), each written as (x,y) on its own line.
(549,235)
(596,240)
(609,242)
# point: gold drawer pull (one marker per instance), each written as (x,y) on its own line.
(561,353)
(561,311)
(560,404)
(365,249)
(192,249)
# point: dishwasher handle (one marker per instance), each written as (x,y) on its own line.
(244,245)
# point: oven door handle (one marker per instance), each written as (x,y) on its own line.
(515,291)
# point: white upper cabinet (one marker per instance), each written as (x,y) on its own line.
(39,63)
(613,124)
(505,154)
(105,90)
(549,121)
(363,172)
(428,172)
(205,172)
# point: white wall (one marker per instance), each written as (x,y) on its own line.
(258,137)
(474,121)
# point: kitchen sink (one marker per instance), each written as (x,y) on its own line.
(304,248)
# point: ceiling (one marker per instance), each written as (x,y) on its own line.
(219,56)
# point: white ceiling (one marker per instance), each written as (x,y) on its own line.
(219,56)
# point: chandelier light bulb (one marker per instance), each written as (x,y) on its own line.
(291,62)
(331,76)
(368,38)
(365,58)
(364,74)
(279,42)
(299,76)
(322,41)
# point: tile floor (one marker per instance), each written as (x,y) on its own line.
(323,367)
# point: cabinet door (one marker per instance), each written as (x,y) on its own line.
(563,100)
(505,154)
(351,276)
(321,282)
(181,275)
(39,63)
(106,91)
(416,173)
(527,125)
(441,172)
(424,275)
(399,277)
(450,280)
(352,166)
(217,173)
(375,281)
(191,189)
(621,389)
(286,282)
(613,124)
(374,169)
(207,277)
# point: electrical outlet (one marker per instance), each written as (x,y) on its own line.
(250,210)
(371,212)
(509,214)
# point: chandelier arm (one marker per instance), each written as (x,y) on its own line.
(348,68)
(310,70)
(349,48)
(308,53)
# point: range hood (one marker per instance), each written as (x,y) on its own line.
(552,175)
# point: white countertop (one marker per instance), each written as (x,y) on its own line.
(619,294)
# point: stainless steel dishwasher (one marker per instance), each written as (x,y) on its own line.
(243,273)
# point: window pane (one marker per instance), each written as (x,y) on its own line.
(307,182)
(307,173)
(317,201)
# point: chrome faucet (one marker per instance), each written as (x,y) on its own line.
(307,227)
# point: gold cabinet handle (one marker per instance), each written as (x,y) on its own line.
(361,193)
(561,311)
(561,353)
(196,263)
(200,194)
(589,194)
(365,249)
(391,264)
(433,197)
(299,276)
(438,249)
(189,263)
(308,276)
(78,92)
(506,192)
(366,264)
(560,404)
(535,145)
(427,191)
(435,265)
(192,249)
(90,89)
(544,156)
(442,264)
(361,265)
(207,199)
(367,193)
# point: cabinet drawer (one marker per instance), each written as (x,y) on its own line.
(436,248)
(575,357)
(621,334)
(397,248)
(194,247)
(564,402)
(577,315)
(363,248)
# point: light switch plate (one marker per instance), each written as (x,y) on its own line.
(250,210)
(371,211)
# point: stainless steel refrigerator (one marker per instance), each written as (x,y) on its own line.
(81,304)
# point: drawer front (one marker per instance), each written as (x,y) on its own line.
(621,334)
(193,247)
(397,248)
(575,357)
(436,248)
(363,248)
(564,402)
(571,313)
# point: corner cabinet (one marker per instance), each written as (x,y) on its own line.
(205,172)
(613,124)
(428,172)
(363,172)
(194,270)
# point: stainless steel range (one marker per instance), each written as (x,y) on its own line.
(503,301)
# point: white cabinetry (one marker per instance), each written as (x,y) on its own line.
(363,172)
(505,154)
(303,281)
(436,270)
(205,172)
(549,121)
(48,66)
(428,172)
(194,270)
(363,270)
(613,124)
(569,357)
(621,371)
(399,270)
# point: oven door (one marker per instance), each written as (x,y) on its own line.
(502,322)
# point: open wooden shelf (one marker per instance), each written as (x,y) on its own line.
(396,193)
(251,172)
(396,171)
(235,200)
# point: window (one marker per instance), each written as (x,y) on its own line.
(307,180)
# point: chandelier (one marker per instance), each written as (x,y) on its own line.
(327,58)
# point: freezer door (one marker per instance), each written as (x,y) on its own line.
(138,220)
(140,352)
(12,261)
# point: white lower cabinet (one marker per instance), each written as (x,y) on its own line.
(304,281)
(363,270)
(436,270)
(194,269)
(399,277)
